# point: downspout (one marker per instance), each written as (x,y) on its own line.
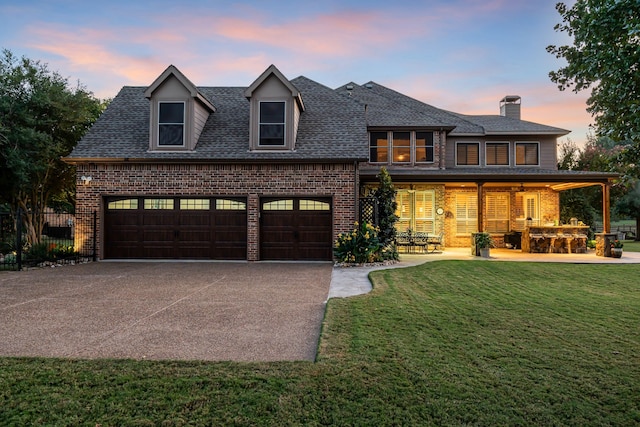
(480,207)
(356,191)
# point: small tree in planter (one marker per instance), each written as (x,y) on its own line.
(482,243)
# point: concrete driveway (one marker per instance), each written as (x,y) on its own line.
(165,310)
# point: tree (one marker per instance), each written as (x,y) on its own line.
(41,120)
(385,196)
(629,205)
(604,57)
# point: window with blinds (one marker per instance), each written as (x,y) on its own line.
(467,153)
(527,154)
(416,210)
(497,216)
(466,213)
(497,154)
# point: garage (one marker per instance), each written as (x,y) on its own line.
(296,229)
(175,228)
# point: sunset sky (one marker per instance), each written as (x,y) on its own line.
(460,55)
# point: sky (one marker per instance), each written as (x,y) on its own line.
(459,55)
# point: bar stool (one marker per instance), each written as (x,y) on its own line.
(581,242)
(552,241)
(536,238)
(568,239)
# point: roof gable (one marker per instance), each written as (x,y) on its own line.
(172,71)
(273,71)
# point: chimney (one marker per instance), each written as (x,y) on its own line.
(510,106)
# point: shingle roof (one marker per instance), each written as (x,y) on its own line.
(496,124)
(331,128)
(389,108)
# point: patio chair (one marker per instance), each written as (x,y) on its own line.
(421,240)
(403,240)
(435,241)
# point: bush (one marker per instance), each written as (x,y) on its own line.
(49,252)
(360,245)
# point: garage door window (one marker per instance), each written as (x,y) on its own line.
(314,205)
(278,205)
(230,205)
(195,204)
(123,204)
(158,204)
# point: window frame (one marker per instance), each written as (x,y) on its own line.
(283,124)
(499,212)
(429,146)
(377,147)
(467,143)
(160,123)
(525,143)
(400,148)
(470,219)
(497,143)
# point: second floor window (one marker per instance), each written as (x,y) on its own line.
(424,147)
(527,154)
(497,153)
(401,147)
(171,124)
(467,154)
(272,123)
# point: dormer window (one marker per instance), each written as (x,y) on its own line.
(272,124)
(171,124)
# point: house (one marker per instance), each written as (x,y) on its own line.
(275,170)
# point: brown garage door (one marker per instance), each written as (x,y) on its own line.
(295,229)
(175,228)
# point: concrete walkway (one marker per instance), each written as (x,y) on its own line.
(351,281)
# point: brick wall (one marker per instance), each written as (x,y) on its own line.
(247,180)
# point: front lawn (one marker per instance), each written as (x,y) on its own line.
(446,343)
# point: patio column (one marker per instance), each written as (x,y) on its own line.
(480,207)
(606,208)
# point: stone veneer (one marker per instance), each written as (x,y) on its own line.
(253,181)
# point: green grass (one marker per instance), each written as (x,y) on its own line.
(446,343)
(631,245)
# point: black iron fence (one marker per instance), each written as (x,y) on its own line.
(28,240)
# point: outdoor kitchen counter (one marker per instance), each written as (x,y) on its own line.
(555,238)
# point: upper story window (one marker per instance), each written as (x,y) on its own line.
(171,124)
(467,153)
(424,147)
(497,154)
(527,154)
(272,123)
(378,147)
(401,147)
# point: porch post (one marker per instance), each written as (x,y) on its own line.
(480,207)
(606,208)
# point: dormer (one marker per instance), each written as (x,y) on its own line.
(275,108)
(178,112)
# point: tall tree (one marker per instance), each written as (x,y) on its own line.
(605,58)
(41,119)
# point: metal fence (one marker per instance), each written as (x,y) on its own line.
(52,238)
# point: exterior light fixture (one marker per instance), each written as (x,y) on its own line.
(85,179)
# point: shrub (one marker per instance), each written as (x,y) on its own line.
(359,246)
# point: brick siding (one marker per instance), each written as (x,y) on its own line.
(246,180)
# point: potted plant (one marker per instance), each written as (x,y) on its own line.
(616,249)
(482,243)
